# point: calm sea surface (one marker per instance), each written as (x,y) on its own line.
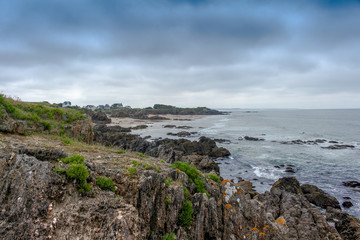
(313,164)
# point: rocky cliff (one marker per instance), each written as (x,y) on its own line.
(39,202)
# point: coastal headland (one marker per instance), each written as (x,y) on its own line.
(74,174)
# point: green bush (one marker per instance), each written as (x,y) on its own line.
(73,159)
(121,151)
(66,140)
(186,214)
(213,177)
(168,181)
(105,183)
(135,163)
(169,236)
(141,155)
(78,172)
(132,171)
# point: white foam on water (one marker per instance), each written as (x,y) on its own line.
(266,173)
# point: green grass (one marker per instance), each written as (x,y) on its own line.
(213,177)
(121,151)
(59,170)
(105,183)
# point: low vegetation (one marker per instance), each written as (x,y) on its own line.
(77,170)
(43,115)
(186,215)
(169,236)
(213,177)
(105,183)
(193,174)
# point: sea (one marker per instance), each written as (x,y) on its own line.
(289,138)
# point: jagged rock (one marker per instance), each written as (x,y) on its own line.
(347,225)
(180,134)
(220,140)
(289,169)
(318,197)
(288,184)
(44,154)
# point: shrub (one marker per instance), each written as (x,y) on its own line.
(213,177)
(168,181)
(121,151)
(47,125)
(169,236)
(105,183)
(186,214)
(73,159)
(162,161)
(167,201)
(78,172)
(84,187)
(132,171)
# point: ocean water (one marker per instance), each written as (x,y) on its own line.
(256,160)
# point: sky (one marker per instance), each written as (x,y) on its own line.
(214,53)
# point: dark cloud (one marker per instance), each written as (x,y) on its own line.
(146,51)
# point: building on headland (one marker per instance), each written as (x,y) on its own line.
(65,104)
(91,107)
(117,105)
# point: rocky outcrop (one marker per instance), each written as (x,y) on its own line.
(100,118)
(170,150)
(352,184)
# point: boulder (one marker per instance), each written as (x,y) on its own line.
(318,197)
(288,184)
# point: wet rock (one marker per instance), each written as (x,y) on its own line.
(347,204)
(180,134)
(318,197)
(169,126)
(184,127)
(352,184)
(253,138)
(320,140)
(143,126)
(333,142)
(336,146)
(289,170)
(276,166)
(221,140)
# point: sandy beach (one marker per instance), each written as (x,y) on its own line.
(131,122)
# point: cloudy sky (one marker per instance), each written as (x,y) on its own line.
(216,53)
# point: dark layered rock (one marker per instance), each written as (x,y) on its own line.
(338,146)
(347,226)
(318,197)
(221,140)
